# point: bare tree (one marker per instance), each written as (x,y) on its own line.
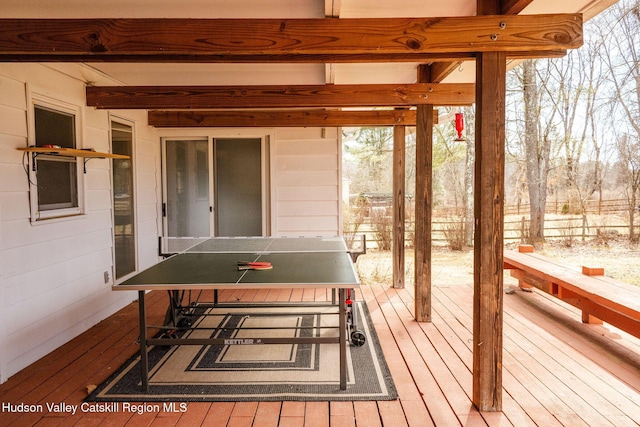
(559,128)
(563,114)
(630,173)
(536,152)
(572,89)
(534,126)
(621,29)
(561,77)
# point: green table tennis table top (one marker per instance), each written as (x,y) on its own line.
(212,263)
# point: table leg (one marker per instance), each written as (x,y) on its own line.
(144,359)
(343,338)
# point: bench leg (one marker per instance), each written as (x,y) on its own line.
(587,318)
(524,286)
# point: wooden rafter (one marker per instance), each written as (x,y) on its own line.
(438,71)
(512,7)
(279,96)
(280,118)
(201,40)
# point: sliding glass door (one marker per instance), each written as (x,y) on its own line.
(213,187)
(238,194)
(187,203)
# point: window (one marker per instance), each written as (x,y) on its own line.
(56,179)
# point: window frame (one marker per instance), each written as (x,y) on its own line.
(37,100)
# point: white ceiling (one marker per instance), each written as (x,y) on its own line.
(253,74)
(162,8)
(405,8)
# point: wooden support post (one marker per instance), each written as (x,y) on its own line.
(423,209)
(489,231)
(399,148)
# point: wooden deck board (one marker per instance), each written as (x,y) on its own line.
(564,398)
(317,414)
(567,385)
(367,414)
(436,372)
(605,412)
(590,339)
(598,394)
(267,414)
(461,328)
(195,415)
(341,414)
(556,371)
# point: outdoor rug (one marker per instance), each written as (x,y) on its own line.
(269,372)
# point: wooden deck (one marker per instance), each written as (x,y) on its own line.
(557,371)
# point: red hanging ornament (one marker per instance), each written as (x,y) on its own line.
(459,126)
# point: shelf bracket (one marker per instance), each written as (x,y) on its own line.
(33,161)
(84,162)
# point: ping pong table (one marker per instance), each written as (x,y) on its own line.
(212,264)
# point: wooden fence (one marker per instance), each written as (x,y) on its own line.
(567,228)
(573,207)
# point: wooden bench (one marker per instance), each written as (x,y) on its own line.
(600,298)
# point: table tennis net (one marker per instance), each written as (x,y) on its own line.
(175,245)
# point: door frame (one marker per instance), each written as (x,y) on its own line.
(134,201)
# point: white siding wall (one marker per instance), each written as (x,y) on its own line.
(148,192)
(306,173)
(52,284)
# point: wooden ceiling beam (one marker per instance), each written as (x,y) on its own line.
(279,96)
(440,70)
(162,40)
(279,118)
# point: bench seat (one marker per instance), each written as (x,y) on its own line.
(600,298)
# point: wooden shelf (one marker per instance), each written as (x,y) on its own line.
(87,154)
(73,152)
